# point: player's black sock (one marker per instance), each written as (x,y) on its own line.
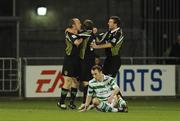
(85,94)
(63,95)
(73,95)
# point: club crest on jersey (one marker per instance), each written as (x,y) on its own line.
(113,40)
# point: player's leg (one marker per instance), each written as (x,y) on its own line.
(106,66)
(84,83)
(115,63)
(111,67)
(64,92)
(122,104)
(103,106)
(75,63)
(85,76)
(85,88)
(74,86)
(67,72)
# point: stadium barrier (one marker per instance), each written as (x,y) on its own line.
(134,80)
(10,75)
(145,73)
(178,80)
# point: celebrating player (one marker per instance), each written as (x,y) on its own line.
(112,41)
(87,56)
(71,63)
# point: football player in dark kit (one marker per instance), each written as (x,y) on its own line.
(87,56)
(71,63)
(112,42)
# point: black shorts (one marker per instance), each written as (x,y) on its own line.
(111,65)
(86,66)
(71,66)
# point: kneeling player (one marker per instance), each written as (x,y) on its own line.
(105,89)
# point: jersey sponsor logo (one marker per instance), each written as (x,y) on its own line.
(103,92)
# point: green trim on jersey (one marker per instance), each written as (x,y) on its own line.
(69,45)
(83,45)
(116,48)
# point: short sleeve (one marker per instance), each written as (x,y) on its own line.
(112,83)
(71,37)
(115,38)
(90,91)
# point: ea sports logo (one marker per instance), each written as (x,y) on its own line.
(59,81)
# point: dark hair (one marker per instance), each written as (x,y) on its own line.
(116,20)
(96,67)
(88,24)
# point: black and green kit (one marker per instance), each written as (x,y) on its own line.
(71,60)
(112,62)
(87,55)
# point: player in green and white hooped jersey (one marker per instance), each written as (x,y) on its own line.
(105,90)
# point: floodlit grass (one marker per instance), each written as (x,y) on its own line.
(139,110)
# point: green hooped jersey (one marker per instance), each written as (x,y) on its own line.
(102,89)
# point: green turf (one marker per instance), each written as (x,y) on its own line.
(139,110)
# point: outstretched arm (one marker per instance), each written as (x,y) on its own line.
(115,88)
(88,100)
(101,46)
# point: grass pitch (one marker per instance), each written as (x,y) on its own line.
(139,110)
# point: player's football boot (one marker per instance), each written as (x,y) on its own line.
(123,107)
(72,106)
(62,106)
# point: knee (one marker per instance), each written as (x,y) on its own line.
(96,102)
(75,83)
(67,82)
